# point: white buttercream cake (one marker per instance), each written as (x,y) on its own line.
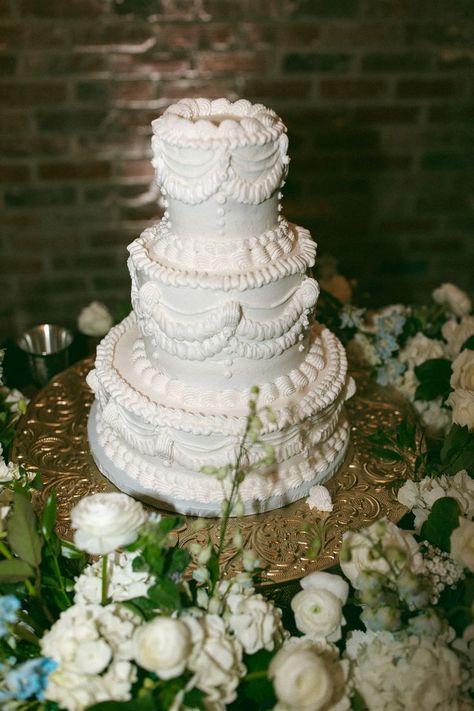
(222,301)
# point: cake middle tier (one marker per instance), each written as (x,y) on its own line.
(249,311)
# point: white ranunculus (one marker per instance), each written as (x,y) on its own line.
(454,298)
(92,646)
(420,349)
(396,543)
(123,583)
(405,672)
(420,496)
(319,498)
(255,621)
(163,646)
(463,370)
(462,402)
(95,319)
(105,522)
(462,543)
(308,676)
(318,614)
(456,334)
(216,659)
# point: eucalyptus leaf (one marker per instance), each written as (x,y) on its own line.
(23,537)
(441,522)
(15,571)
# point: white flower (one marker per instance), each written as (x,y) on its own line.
(462,402)
(362,350)
(462,543)
(104,522)
(410,673)
(216,658)
(435,418)
(93,648)
(318,607)
(163,646)
(456,334)
(361,549)
(455,299)
(308,676)
(463,371)
(123,583)
(319,498)
(420,349)
(420,497)
(95,319)
(407,383)
(255,621)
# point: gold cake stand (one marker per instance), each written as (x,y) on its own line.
(52,438)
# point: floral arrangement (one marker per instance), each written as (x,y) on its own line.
(145,625)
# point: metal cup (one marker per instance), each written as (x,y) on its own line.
(47,351)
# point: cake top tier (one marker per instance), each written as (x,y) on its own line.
(201,147)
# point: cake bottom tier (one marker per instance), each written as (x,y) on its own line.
(152,436)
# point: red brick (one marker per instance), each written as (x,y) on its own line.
(55,63)
(283,88)
(24,145)
(135,169)
(59,8)
(303,35)
(424,88)
(179,36)
(74,120)
(13,172)
(46,34)
(352,88)
(20,264)
(74,171)
(386,114)
(235,62)
(105,261)
(133,37)
(4,7)
(32,93)
(156,65)
(219,35)
(396,61)
(361,34)
(10,35)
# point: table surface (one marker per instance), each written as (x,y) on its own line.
(52,438)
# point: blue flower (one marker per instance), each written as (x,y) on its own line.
(385,345)
(389,371)
(9,606)
(30,679)
(392,324)
(351,317)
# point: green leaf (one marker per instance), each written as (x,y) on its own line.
(456,439)
(69,550)
(179,561)
(14,571)
(48,518)
(380,437)
(441,522)
(142,703)
(213,567)
(468,344)
(165,595)
(434,376)
(406,435)
(357,702)
(142,606)
(23,536)
(194,699)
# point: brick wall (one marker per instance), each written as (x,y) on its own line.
(377,95)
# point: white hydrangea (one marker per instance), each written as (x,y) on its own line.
(215,660)
(93,648)
(95,319)
(308,675)
(420,496)
(255,621)
(419,349)
(454,298)
(399,546)
(407,384)
(456,334)
(435,419)
(123,582)
(319,498)
(362,350)
(411,673)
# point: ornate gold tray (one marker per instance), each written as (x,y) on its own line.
(52,438)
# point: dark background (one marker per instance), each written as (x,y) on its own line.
(377,96)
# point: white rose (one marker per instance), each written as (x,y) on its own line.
(463,371)
(456,334)
(318,614)
(255,621)
(308,676)
(95,319)
(397,544)
(319,498)
(104,522)
(163,646)
(455,299)
(420,349)
(462,402)
(462,543)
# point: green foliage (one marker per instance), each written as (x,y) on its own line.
(434,376)
(13,571)
(441,522)
(256,689)
(23,536)
(456,604)
(400,445)
(457,451)
(469,344)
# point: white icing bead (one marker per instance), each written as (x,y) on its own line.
(221,223)
(227,374)
(228,361)
(280,195)
(220,198)
(220,211)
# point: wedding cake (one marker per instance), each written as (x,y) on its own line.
(222,301)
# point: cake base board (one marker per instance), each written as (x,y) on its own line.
(163,500)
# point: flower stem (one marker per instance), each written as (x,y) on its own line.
(104,579)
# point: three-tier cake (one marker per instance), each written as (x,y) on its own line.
(222,301)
